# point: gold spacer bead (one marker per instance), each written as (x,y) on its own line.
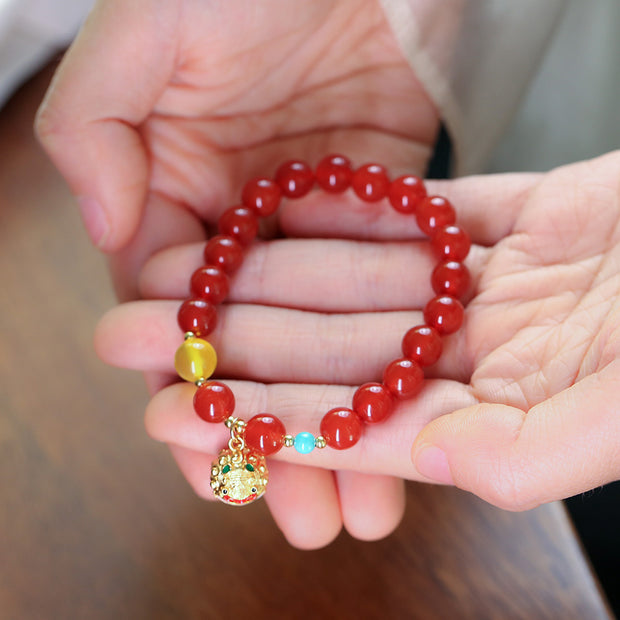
(289,441)
(200,382)
(229,422)
(187,335)
(319,442)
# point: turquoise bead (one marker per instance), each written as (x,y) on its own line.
(304,443)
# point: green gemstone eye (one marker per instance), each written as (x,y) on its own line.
(225,469)
(249,467)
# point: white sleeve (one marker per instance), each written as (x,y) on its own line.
(571,111)
(475,59)
(30,32)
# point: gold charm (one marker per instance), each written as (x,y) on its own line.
(239,475)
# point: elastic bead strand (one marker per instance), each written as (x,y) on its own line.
(342,427)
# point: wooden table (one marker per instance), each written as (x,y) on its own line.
(96,522)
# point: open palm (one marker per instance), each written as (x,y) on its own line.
(522,403)
(157,115)
(160,110)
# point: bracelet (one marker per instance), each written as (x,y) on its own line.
(239,475)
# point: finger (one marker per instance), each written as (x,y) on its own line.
(321,275)
(566,445)
(273,344)
(156,381)
(196,467)
(304,504)
(383,448)
(165,223)
(104,88)
(372,505)
(303,500)
(486,206)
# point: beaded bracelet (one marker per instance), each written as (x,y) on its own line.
(239,475)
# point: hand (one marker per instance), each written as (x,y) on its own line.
(522,403)
(160,110)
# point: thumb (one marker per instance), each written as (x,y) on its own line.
(516,460)
(105,87)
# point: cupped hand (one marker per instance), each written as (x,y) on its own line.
(161,109)
(520,410)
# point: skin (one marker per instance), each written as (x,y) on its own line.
(215,94)
(523,402)
(521,408)
(161,109)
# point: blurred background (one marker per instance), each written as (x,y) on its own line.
(95,520)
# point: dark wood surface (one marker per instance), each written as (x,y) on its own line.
(96,522)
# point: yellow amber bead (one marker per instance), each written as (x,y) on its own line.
(195,359)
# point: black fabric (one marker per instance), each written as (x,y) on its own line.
(596,515)
(439,166)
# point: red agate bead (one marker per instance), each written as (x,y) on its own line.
(197,316)
(262,196)
(341,428)
(224,252)
(450,278)
(240,223)
(373,402)
(333,174)
(295,178)
(209,283)
(422,344)
(444,313)
(406,193)
(433,213)
(403,377)
(265,433)
(371,182)
(451,243)
(214,402)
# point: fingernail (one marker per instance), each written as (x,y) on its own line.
(94,219)
(432,463)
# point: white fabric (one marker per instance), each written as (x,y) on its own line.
(31,31)
(572,111)
(475,58)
